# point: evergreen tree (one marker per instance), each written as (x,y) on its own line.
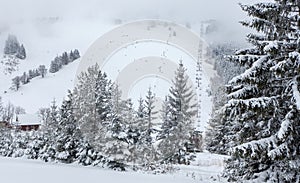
(128,113)
(53,67)
(103,96)
(8,113)
(31,74)
(116,143)
(134,131)
(65,58)
(52,121)
(42,70)
(19,110)
(34,145)
(24,78)
(215,140)
(85,105)
(5,141)
(180,113)
(76,54)
(37,72)
(12,45)
(49,129)
(44,114)
(21,54)
(141,114)
(71,56)
(150,114)
(68,134)
(261,118)
(16,82)
(166,119)
(149,153)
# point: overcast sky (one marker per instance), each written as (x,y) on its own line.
(177,9)
(226,11)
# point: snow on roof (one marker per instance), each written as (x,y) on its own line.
(28,119)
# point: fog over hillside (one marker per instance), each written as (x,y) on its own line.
(14,12)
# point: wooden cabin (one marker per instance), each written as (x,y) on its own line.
(27,122)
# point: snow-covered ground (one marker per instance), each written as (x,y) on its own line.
(34,171)
(39,92)
(45,39)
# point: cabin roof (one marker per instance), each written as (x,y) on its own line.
(28,119)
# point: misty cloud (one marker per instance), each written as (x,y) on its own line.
(227,12)
(192,10)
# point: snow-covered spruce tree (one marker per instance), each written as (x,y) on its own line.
(68,133)
(5,135)
(36,143)
(149,152)
(18,145)
(65,58)
(215,141)
(51,121)
(5,140)
(262,115)
(16,82)
(180,111)
(86,154)
(21,54)
(55,65)
(103,96)
(166,119)
(95,109)
(150,114)
(37,72)
(141,114)
(19,110)
(85,104)
(134,130)
(44,114)
(24,78)
(42,70)
(12,45)
(226,70)
(47,153)
(30,74)
(74,55)
(8,112)
(116,143)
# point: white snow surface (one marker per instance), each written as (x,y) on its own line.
(39,92)
(28,119)
(43,41)
(35,171)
